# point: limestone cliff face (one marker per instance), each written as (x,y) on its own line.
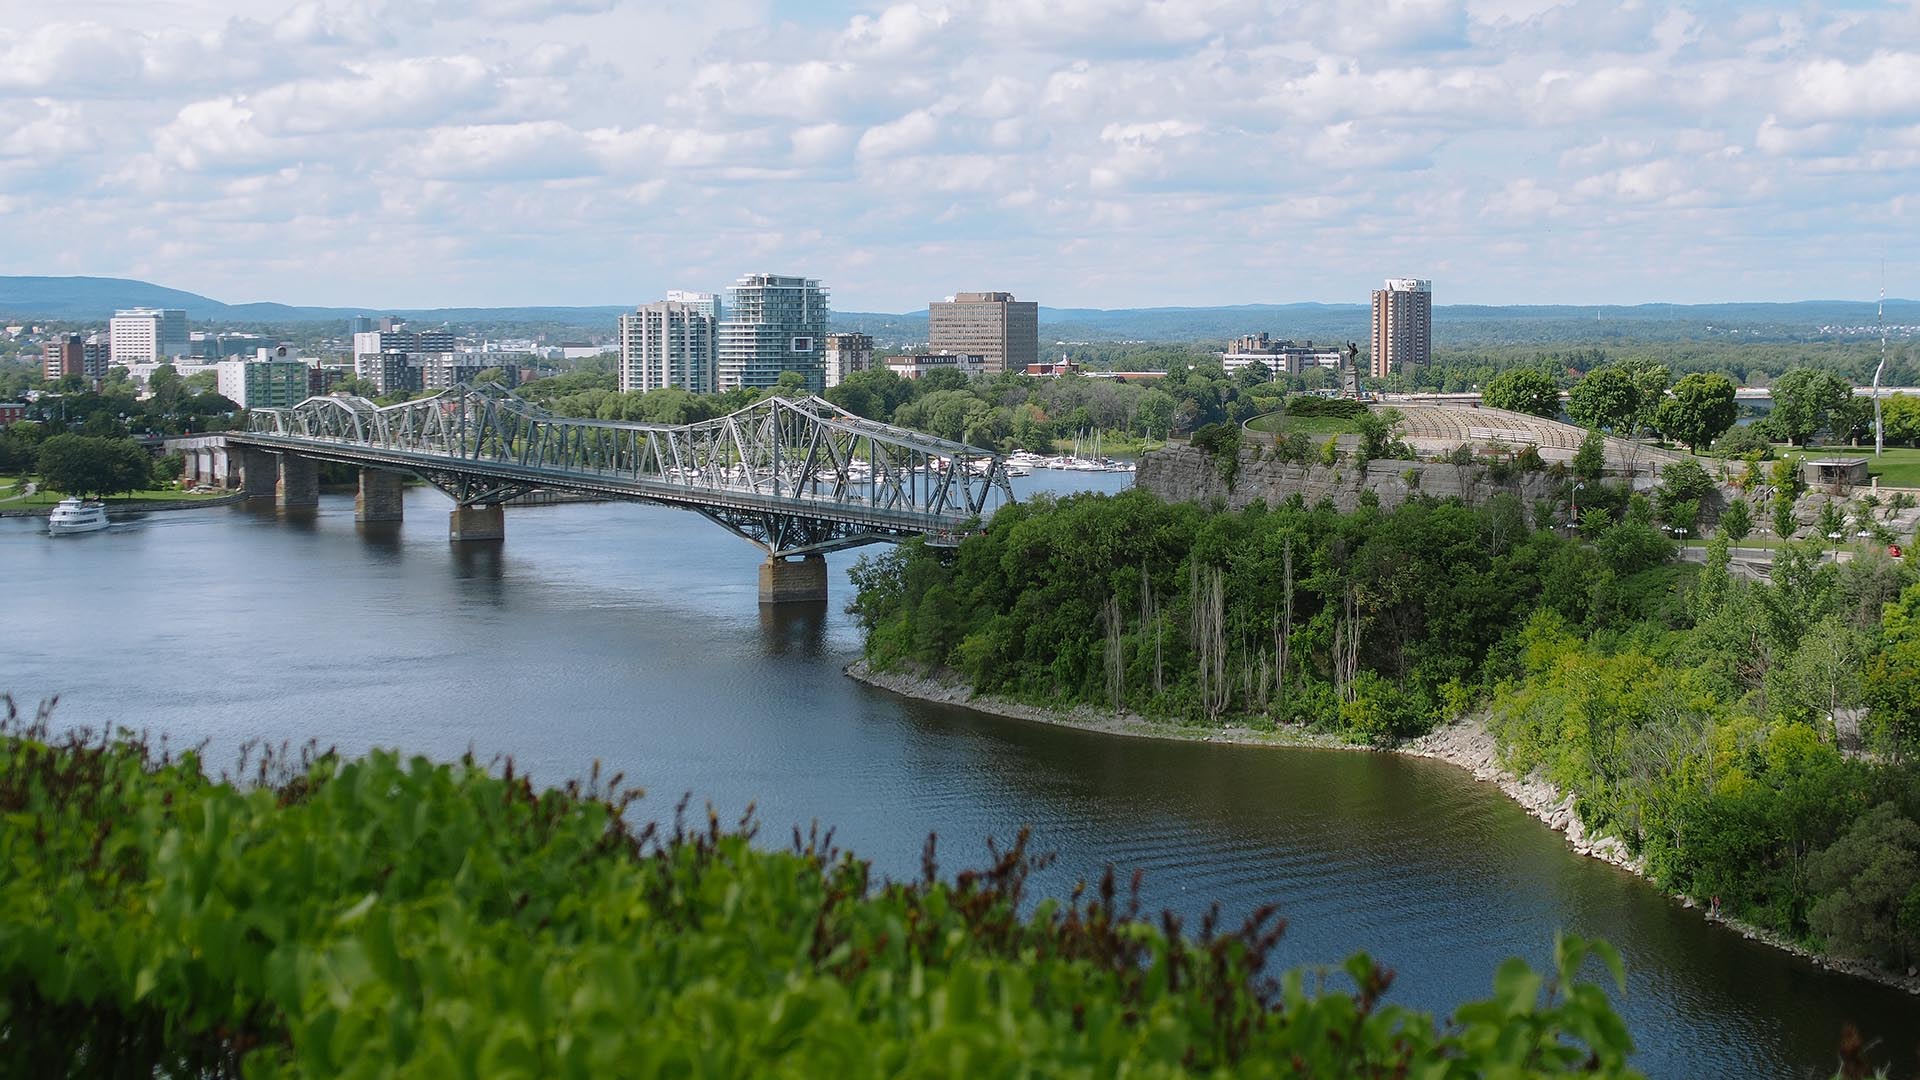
(1183,474)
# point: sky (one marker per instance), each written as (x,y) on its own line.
(1082,153)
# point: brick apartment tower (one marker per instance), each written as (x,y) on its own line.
(65,355)
(1402,326)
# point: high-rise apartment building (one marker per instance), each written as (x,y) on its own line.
(773,324)
(96,353)
(394,360)
(705,303)
(846,354)
(65,355)
(148,335)
(263,384)
(1402,326)
(990,324)
(671,343)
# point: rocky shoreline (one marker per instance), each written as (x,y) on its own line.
(1466,743)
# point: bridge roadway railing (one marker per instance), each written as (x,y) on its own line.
(792,475)
(616,483)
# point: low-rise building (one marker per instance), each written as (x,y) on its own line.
(914,365)
(12,412)
(1284,357)
(1053,369)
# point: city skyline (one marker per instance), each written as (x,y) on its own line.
(1102,154)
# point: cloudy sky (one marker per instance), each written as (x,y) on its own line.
(1105,153)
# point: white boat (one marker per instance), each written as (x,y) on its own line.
(74,516)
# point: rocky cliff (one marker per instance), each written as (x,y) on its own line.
(1180,473)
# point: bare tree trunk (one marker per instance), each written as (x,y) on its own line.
(1283,639)
(1115,656)
(1209,635)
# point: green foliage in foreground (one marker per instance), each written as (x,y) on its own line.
(399,918)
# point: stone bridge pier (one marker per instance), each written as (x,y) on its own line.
(379,497)
(298,486)
(477,521)
(259,472)
(800,580)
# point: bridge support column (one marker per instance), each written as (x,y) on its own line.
(793,581)
(259,473)
(478,521)
(379,496)
(299,487)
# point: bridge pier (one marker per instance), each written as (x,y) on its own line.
(259,473)
(299,486)
(477,521)
(793,581)
(379,496)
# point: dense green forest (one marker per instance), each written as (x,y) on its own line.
(1692,713)
(399,918)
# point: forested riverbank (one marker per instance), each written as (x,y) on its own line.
(1689,712)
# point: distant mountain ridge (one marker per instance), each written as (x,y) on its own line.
(99,298)
(96,298)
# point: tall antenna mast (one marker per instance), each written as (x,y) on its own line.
(1879,430)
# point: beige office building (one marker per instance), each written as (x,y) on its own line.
(1402,326)
(993,325)
(673,343)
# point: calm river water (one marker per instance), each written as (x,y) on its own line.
(632,635)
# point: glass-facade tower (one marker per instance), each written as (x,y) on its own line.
(773,324)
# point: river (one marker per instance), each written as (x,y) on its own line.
(632,635)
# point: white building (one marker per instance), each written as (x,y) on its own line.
(670,343)
(774,324)
(148,335)
(705,303)
(917,364)
(1281,357)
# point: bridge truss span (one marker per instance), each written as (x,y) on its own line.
(793,475)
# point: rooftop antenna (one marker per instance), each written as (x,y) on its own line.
(1879,430)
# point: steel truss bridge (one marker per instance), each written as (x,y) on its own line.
(796,476)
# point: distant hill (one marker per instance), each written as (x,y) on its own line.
(94,298)
(79,298)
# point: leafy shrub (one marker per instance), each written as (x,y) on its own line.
(383,917)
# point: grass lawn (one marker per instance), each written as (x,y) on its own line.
(130,500)
(1281,423)
(1898,466)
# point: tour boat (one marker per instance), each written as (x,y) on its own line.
(74,516)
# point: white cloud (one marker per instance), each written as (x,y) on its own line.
(1108,150)
(535,150)
(1886,84)
(918,130)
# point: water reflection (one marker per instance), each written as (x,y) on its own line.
(381,536)
(480,560)
(794,629)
